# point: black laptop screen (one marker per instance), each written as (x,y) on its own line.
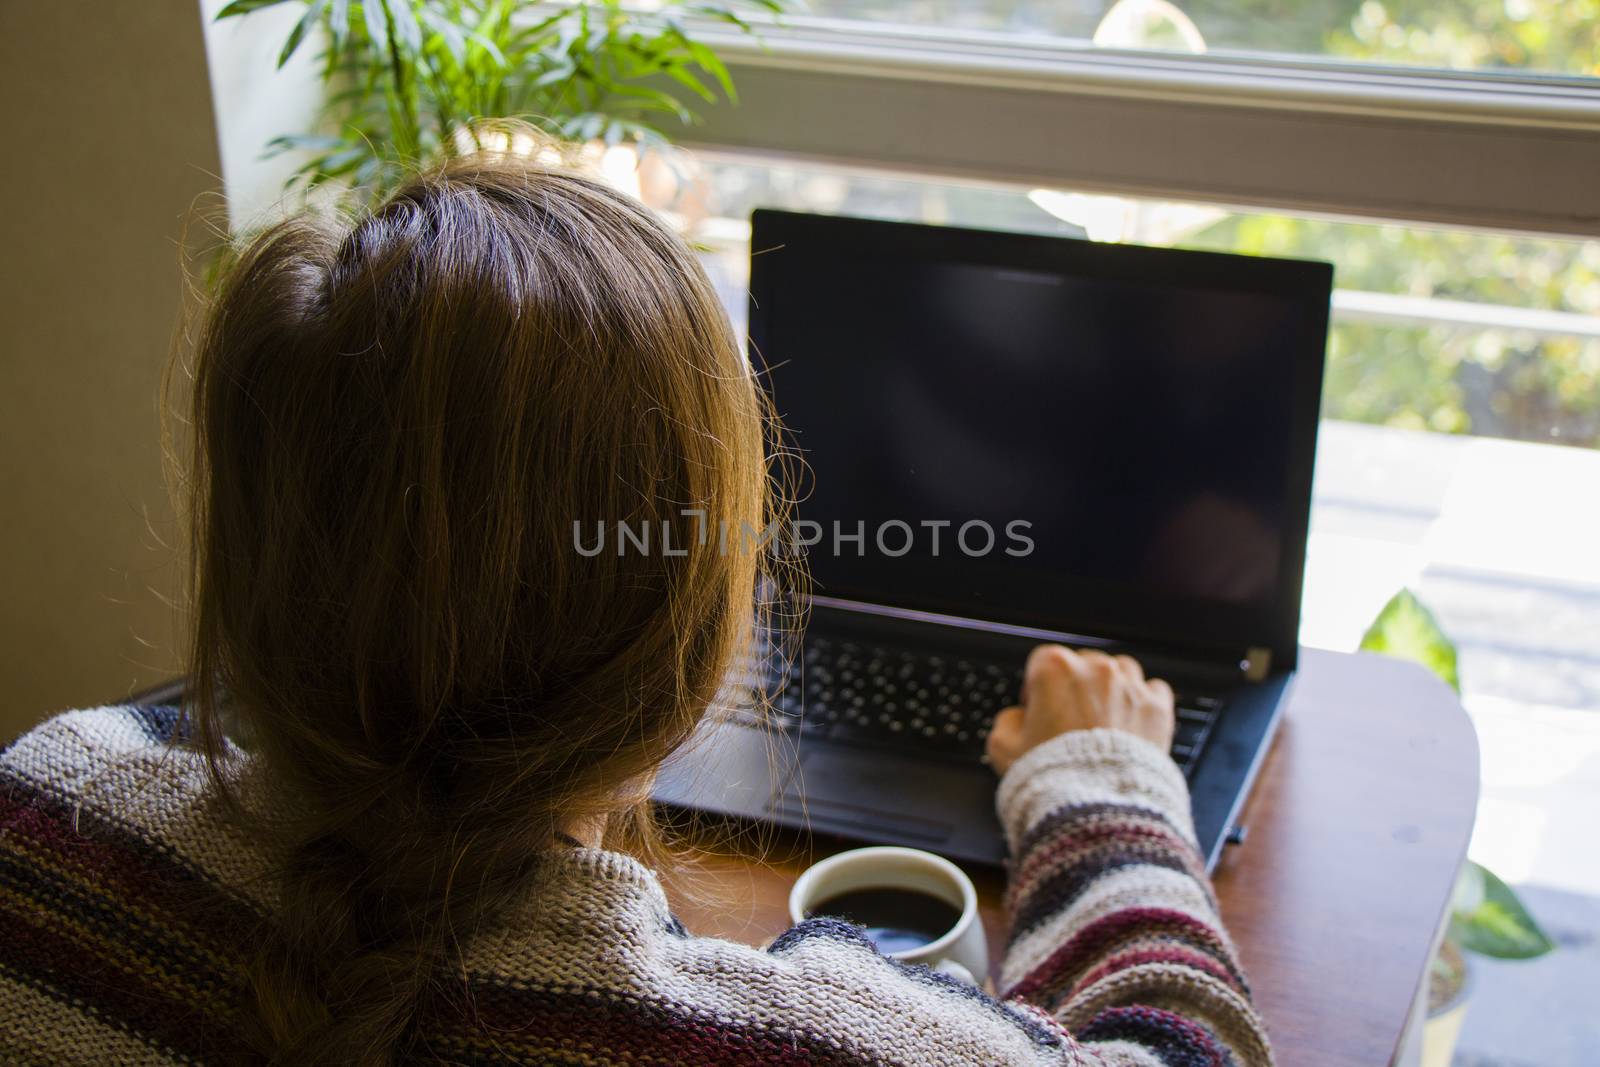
(1041,431)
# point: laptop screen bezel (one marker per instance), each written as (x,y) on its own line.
(1155,618)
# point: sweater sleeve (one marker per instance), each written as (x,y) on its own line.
(1114,926)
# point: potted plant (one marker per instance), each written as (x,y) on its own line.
(1486,918)
(410,82)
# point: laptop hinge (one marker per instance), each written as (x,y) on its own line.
(1257,663)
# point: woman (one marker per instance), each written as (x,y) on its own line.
(430,842)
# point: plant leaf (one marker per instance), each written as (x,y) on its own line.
(450,34)
(405,24)
(489,47)
(557,73)
(339,23)
(377,28)
(1497,924)
(298,34)
(1406,629)
(711,64)
(585,127)
(655,100)
(335,164)
(304,141)
(684,77)
(244,7)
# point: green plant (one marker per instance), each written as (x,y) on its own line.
(1485,915)
(409,82)
(1487,918)
(1406,629)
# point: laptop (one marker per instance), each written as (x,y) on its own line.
(1013,439)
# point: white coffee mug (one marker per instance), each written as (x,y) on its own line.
(961,952)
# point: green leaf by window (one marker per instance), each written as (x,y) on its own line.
(1406,629)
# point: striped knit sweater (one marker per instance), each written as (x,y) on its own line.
(127,895)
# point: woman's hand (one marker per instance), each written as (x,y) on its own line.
(1064,690)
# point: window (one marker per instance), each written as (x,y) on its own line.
(1495,123)
(1434,329)
(1456,357)
(1553,36)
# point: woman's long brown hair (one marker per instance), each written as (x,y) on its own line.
(396,424)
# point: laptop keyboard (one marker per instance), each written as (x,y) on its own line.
(913,701)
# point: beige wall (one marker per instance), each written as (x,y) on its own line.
(110,141)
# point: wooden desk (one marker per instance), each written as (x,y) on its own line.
(1357,827)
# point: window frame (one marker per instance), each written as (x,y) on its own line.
(1499,151)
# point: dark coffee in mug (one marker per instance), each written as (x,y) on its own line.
(895,919)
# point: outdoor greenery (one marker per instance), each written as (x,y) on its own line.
(1560,36)
(410,81)
(1491,382)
